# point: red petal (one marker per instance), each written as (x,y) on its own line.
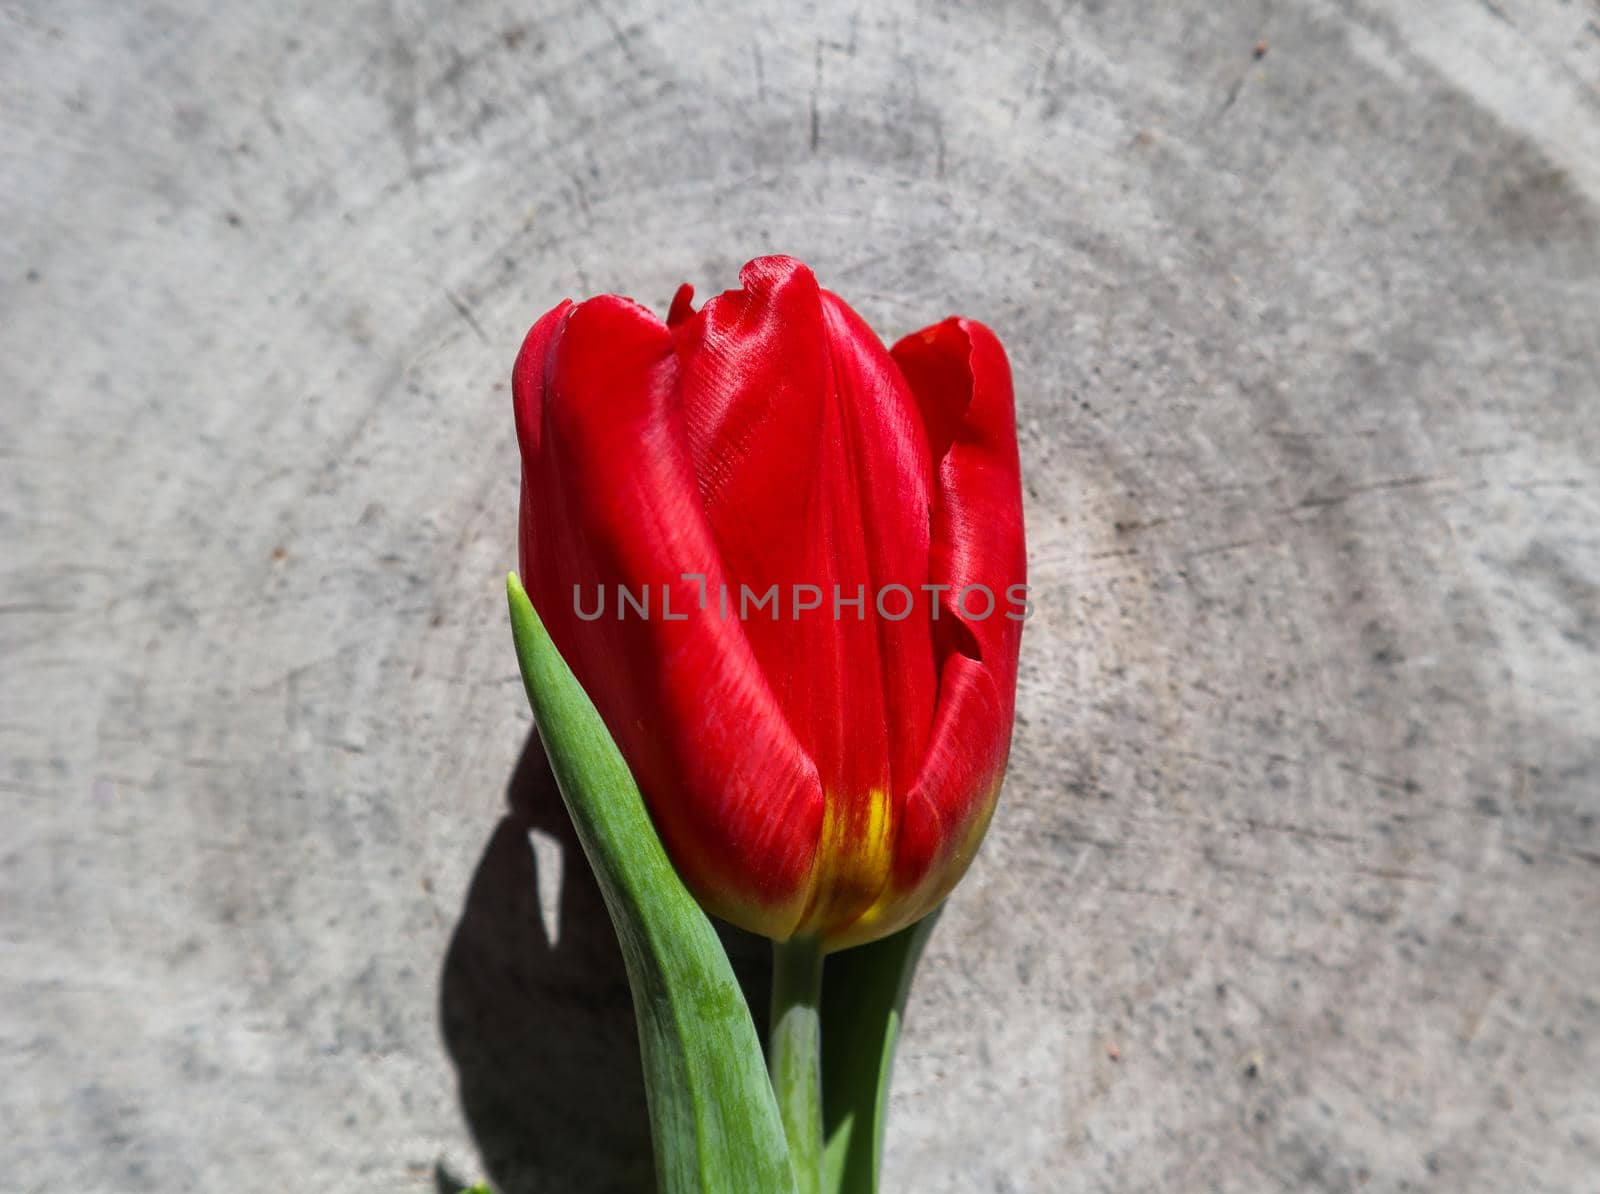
(528,377)
(682,306)
(962,383)
(896,501)
(611,498)
(527,404)
(813,470)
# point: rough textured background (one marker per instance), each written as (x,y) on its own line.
(1296,882)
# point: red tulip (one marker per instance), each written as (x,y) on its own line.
(822,763)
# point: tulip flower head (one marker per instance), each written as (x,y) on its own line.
(787,566)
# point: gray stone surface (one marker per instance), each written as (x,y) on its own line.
(1296,881)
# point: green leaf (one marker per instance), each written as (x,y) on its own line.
(863,1005)
(714,1120)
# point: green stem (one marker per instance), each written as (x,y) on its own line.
(794,1055)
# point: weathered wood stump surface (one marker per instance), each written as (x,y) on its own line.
(1296,881)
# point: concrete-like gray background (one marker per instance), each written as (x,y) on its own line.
(1295,884)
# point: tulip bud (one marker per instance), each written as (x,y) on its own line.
(787,566)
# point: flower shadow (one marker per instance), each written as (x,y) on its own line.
(541,1032)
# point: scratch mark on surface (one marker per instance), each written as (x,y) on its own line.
(466,313)
(1318,501)
(1302,831)
(1216,548)
(1156,892)
(1408,786)
(618,34)
(1129,526)
(1229,100)
(401,96)
(1495,10)
(1381,872)
(816,96)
